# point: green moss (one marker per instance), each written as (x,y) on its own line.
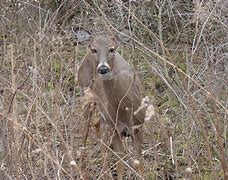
(81,53)
(180,60)
(50,85)
(151,176)
(206,175)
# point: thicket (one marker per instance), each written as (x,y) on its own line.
(179,48)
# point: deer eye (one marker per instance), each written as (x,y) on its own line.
(112,50)
(94,50)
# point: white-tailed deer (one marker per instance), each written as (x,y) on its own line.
(118,93)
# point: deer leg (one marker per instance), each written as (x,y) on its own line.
(137,148)
(104,149)
(120,151)
(87,116)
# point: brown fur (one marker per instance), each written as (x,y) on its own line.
(118,95)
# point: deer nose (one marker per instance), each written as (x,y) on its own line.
(103,69)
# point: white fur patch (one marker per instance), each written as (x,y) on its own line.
(108,75)
(103,64)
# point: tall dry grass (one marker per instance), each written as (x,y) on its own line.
(178,47)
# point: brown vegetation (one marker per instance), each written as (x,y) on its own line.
(178,47)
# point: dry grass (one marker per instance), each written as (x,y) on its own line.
(178,47)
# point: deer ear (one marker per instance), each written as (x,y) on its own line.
(85,71)
(114,39)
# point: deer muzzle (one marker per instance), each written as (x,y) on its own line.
(103,68)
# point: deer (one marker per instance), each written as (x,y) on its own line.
(118,91)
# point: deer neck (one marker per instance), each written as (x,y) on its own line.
(110,87)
